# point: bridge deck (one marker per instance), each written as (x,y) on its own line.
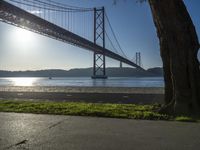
(18,17)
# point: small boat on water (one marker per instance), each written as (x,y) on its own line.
(50,78)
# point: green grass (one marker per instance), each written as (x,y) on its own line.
(131,111)
(185,119)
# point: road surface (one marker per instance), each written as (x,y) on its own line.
(49,132)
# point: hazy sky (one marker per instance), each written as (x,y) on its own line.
(132,22)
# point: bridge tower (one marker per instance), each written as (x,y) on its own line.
(138,59)
(99,66)
(120,65)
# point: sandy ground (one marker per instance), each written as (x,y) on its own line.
(85,94)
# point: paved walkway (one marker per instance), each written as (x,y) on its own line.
(48,132)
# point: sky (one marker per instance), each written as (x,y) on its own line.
(131,21)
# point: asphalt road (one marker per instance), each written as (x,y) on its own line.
(48,132)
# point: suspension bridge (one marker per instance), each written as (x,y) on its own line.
(87,28)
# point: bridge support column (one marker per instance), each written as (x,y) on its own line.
(121,66)
(138,59)
(99,64)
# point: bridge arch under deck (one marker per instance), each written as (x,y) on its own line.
(13,15)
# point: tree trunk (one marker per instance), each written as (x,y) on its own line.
(179,47)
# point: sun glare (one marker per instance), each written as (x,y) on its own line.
(23,36)
(23,81)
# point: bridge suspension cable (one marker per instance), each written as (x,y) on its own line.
(68,24)
(111,43)
(64,15)
(49,6)
(68,6)
(114,35)
(73,18)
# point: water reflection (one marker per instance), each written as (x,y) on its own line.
(84,82)
(23,81)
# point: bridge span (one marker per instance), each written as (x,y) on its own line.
(16,16)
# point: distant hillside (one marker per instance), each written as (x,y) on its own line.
(84,72)
(156,71)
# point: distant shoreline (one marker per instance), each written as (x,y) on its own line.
(85,72)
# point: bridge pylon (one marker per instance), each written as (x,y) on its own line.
(138,60)
(99,64)
(120,65)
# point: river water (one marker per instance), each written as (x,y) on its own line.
(85,82)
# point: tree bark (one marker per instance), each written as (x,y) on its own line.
(179,47)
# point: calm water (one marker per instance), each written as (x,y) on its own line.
(85,81)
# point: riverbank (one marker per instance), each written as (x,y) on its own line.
(76,89)
(120,95)
(138,103)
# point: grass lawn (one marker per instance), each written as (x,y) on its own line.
(131,111)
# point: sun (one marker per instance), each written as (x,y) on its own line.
(23,40)
(23,36)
